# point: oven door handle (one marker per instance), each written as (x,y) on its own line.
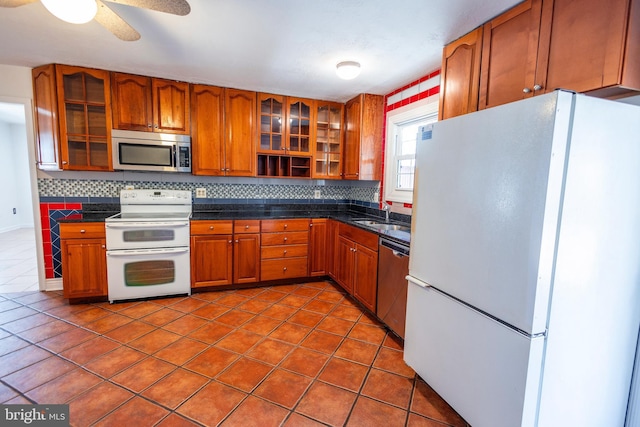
(154,224)
(160,251)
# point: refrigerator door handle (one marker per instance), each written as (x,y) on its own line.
(418,282)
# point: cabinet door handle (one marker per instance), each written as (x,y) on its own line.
(231,241)
(526,90)
(83,231)
(284,268)
(236,241)
(104,247)
(155,126)
(64,162)
(246,227)
(537,87)
(285,239)
(211,227)
(149,125)
(284,252)
(286,225)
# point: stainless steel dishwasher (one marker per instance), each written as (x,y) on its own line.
(393,267)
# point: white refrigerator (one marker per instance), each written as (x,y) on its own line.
(523,305)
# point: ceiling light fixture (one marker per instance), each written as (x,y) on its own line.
(348,70)
(72,11)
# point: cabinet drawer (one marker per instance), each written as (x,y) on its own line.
(246,226)
(82,230)
(362,237)
(285,251)
(274,225)
(211,227)
(293,238)
(273,269)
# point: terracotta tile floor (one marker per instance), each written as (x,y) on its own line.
(293,355)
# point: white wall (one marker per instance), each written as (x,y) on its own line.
(15,81)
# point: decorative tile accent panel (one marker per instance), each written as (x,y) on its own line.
(49,214)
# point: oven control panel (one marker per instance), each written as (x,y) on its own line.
(159,197)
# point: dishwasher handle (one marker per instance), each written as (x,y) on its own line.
(399,250)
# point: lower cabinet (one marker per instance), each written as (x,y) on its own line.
(211,253)
(285,249)
(224,253)
(356,263)
(246,251)
(318,248)
(84,260)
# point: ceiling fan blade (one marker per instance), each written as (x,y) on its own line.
(114,23)
(174,7)
(15,3)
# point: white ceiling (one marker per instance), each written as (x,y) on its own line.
(280,46)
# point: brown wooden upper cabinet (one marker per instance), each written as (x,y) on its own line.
(46,117)
(539,46)
(271,113)
(222,128)
(328,140)
(364,117)
(81,102)
(286,124)
(240,131)
(591,46)
(150,104)
(578,46)
(460,75)
(509,56)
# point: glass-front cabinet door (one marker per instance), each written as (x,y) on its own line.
(299,119)
(271,112)
(85,118)
(328,140)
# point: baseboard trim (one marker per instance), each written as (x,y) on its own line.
(53,284)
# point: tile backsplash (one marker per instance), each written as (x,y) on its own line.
(365,193)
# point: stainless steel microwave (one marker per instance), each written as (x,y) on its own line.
(150,151)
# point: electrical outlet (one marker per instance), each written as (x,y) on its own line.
(201,193)
(317,194)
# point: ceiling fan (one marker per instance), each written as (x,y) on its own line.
(103,14)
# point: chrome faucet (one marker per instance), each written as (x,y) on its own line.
(386,208)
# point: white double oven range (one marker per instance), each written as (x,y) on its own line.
(148,245)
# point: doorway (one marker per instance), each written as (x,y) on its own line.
(21,258)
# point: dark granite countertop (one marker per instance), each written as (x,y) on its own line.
(342,212)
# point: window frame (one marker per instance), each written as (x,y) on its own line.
(422,108)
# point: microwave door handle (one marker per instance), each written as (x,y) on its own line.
(175,156)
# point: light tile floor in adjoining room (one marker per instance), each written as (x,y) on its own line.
(18,262)
(292,355)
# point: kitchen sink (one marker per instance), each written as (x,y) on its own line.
(383,226)
(390,227)
(365,222)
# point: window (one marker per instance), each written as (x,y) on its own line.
(402,130)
